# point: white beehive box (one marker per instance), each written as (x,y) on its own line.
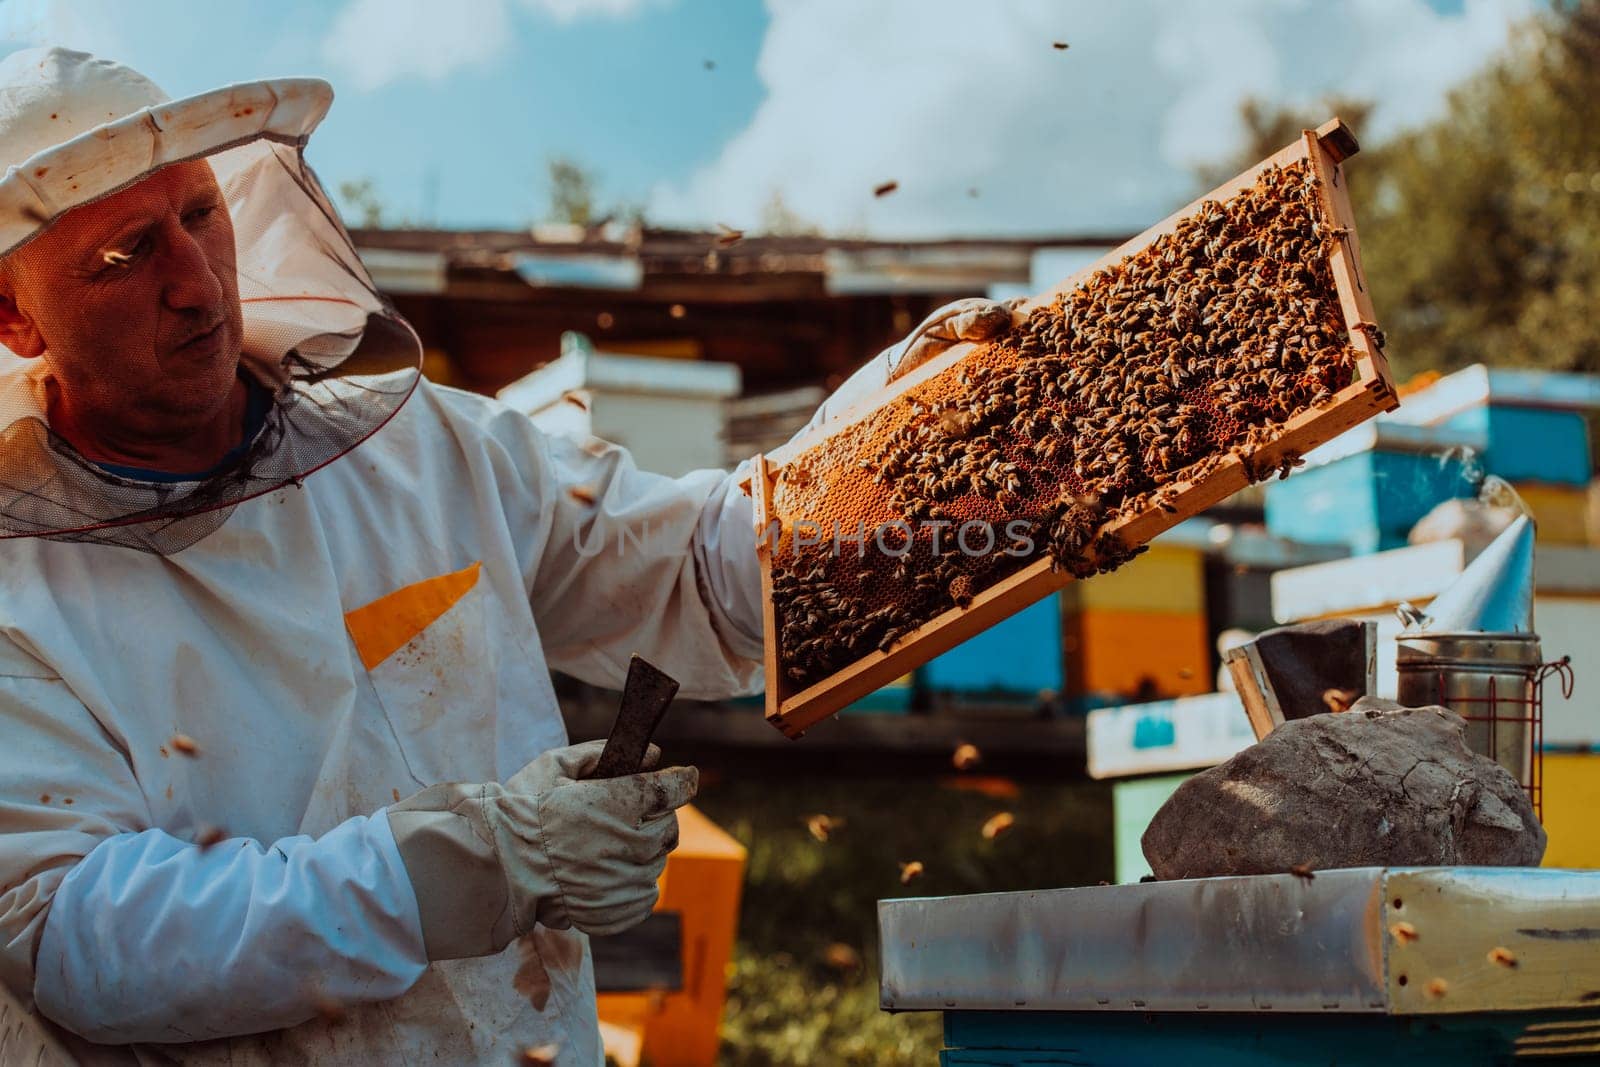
(667,412)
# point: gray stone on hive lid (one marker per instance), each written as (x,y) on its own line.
(1379,785)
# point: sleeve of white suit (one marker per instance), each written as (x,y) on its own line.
(154,939)
(618,560)
(126,933)
(665,567)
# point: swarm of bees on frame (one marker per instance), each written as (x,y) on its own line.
(1098,407)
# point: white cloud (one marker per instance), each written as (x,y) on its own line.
(381,41)
(946,96)
(378,42)
(572,10)
(87,26)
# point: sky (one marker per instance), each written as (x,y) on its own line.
(704,111)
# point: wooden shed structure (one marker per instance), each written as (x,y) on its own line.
(790,311)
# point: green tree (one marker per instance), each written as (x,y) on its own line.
(1481,231)
(362,203)
(572,193)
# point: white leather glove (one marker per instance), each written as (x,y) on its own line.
(972,319)
(489,861)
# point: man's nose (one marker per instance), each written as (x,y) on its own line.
(190,277)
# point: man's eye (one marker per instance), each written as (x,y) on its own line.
(199,214)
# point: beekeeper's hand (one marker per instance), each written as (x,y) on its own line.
(549,847)
(971,319)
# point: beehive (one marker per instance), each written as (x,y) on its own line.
(1206,353)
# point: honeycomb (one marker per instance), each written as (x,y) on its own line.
(1099,406)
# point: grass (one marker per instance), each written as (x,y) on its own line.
(788,1003)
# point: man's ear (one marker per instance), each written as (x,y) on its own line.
(17,329)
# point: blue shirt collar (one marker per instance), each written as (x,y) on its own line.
(258,401)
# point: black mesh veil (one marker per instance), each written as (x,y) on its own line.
(326,360)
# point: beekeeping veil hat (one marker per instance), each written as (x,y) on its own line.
(329,361)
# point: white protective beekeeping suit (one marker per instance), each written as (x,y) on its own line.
(337,629)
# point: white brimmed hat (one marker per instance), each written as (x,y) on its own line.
(74,128)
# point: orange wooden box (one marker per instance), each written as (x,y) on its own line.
(1136,655)
(1372,391)
(702,882)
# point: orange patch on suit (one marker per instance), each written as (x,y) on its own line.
(383,627)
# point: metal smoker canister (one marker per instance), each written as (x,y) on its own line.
(1490,680)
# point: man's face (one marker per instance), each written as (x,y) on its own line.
(133,301)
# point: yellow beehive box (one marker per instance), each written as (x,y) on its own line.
(1167,578)
(1560,512)
(702,883)
(1594,512)
(1571,788)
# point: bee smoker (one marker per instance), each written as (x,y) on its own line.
(1475,653)
(1495,681)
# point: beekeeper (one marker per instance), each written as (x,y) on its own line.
(268,598)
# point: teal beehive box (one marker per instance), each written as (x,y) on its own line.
(1534,424)
(1365,490)
(1013,661)
(1526,444)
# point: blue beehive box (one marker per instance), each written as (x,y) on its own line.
(1011,662)
(1367,488)
(1533,423)
(1525,444)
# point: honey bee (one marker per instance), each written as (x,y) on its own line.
(823,826)
(956,422)
(997,824)
(842,958)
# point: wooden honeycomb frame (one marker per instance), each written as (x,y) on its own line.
(1371,391)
